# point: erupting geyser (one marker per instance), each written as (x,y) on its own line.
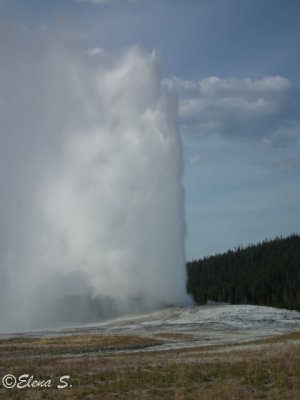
(91,170)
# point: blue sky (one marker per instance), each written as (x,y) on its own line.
(235,66)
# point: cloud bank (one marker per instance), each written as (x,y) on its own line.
(266,111)
(90,169)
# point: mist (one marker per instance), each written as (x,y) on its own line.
(92,204)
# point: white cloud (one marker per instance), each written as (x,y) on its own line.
(265,110)
(95,51)
(195,158)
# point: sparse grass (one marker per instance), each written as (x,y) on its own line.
(175,336)
(269,370)
(280,338)
(72,344)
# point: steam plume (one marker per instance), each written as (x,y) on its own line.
(92,201)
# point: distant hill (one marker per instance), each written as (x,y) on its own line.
(267,273)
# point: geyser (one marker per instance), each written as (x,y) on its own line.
(92,200)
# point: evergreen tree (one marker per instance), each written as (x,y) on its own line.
(266,273)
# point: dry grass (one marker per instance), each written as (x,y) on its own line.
(71,344)
(268,369)
(176,336)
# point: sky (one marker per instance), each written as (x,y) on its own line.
(234,66)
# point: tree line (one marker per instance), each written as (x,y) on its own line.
(267,273)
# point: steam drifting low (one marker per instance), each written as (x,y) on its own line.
(90,169)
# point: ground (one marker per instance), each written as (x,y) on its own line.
(117,366)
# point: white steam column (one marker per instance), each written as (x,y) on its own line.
(117,200)
(90,171)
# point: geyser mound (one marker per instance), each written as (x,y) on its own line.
(95,206)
